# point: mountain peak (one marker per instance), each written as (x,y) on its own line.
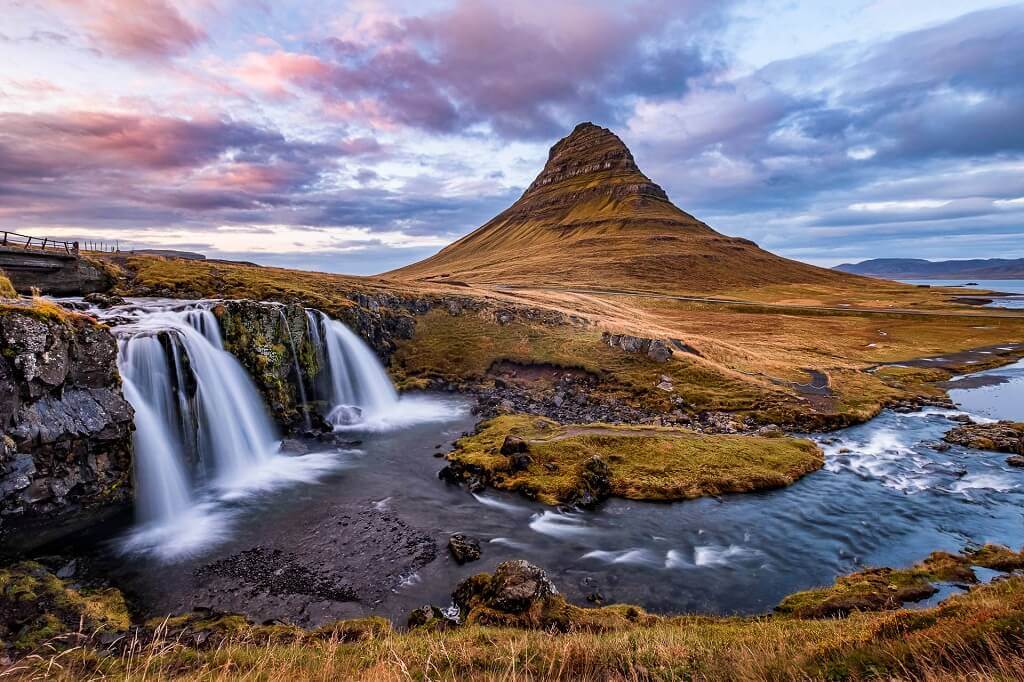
(591,154)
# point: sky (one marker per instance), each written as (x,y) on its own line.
(357,136)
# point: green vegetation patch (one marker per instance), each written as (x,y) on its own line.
(558,464)
(464,347)
(880,589)
(36,607)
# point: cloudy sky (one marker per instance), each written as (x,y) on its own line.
(356,136)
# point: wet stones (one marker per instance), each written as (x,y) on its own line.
(464,548)
(514,587)
(1001,436)
(104,301)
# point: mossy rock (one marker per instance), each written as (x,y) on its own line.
(38,608)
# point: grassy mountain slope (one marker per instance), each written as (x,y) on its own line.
(592,218)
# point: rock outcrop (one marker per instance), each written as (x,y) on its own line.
(1002,436)
(272,343)
(66,446)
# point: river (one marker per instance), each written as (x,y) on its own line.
(367,531)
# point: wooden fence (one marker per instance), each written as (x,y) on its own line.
(24,242)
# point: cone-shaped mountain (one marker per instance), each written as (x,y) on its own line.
(593,219)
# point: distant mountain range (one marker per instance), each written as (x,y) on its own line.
(918,268)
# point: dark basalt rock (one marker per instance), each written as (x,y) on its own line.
(104,300)
(65,453)
(514,587)
(464,548)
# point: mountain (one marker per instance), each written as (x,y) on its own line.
(917,268)
(593,219)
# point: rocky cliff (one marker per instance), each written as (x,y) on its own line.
(273,344)
(65,454)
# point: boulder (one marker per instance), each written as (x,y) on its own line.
(514,587)
(104,300)
(596,483)
(464,548)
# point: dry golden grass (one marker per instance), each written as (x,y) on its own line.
(974,636)
(6,288)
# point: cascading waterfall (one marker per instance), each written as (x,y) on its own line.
(357,385)
(203,435)
(224,423)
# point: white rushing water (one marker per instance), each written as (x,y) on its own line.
(204,438)
(202,432)
(357,387)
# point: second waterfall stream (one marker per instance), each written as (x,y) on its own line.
(204,439)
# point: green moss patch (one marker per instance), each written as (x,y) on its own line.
(563,464)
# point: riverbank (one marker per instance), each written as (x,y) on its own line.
(976,633)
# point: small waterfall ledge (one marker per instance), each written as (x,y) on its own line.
(204,433)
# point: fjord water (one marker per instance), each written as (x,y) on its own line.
(1003,286)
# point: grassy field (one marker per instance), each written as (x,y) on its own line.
(751,360)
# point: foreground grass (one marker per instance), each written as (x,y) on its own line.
(562,464)
(978,635)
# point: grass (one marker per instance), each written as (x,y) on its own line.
(639,463)
(6,288)
(977,635)
(880,589)
(751,358)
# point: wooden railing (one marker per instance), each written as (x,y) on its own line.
(24,242)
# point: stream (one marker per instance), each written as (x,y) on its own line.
(349,530)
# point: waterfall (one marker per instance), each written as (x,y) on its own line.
(161,483)
(299,379)
(357,386)
(224,423)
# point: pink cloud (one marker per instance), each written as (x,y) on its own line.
(135,28)
(522,67)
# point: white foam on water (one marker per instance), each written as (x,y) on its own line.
(407,411)
(717,555)
(559,525)
(502,505)
(638,557)
(277,472)
(674,559)
(507,542)
(985,481)
(188,533)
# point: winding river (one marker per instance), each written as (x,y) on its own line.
(362,528)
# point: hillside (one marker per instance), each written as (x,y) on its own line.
(918,268)
(593,219)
